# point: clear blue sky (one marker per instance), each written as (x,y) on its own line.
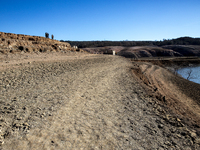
(84,20)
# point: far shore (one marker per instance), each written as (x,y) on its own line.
(171,61)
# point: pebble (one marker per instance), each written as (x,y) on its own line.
(160,126)
(193,134)
(1,142)
(26,124)
(197,140)
(168,143)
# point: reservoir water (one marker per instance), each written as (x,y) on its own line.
(192,73)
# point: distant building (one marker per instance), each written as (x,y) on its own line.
(109,52)
(75,47)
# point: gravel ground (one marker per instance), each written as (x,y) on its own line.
(93,102)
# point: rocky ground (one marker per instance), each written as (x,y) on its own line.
(71,100)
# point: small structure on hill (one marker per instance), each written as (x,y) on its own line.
(109,52)
(75,47)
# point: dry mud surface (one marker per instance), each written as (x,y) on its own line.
(64,101)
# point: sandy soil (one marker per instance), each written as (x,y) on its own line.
(81,101)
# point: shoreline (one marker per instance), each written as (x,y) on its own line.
(173,91)
(171,61)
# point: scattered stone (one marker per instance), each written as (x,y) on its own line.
(1,142)
(178,135)
(168,143)
(197,141)
(26,124)
(193,134)
(160,126)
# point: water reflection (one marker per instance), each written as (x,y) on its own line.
(192,73)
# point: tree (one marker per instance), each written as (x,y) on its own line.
(46,35)
(189,72)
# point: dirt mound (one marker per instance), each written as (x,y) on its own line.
(135,52)
(14,43)
(149,51)
(185,50)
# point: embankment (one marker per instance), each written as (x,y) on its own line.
(176,93)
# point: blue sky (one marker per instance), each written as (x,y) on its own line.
(88,20)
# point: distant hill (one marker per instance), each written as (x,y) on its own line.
(178,41)
(149,51)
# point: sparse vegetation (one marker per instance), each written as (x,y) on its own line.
(47,35)
(189,72)
(178,41)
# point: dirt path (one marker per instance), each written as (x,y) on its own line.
(92,102)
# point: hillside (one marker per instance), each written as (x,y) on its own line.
(149,51)
(16,43)
(177,41)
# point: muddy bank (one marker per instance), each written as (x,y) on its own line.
(172,64)
(171,61)
(176,93)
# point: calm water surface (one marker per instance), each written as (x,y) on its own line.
(195,73)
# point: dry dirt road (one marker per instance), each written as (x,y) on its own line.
(82,102)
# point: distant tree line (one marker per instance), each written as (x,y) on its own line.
(178,41)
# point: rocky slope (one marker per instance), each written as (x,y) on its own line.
(15,43)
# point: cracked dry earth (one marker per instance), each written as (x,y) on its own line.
(94,102)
